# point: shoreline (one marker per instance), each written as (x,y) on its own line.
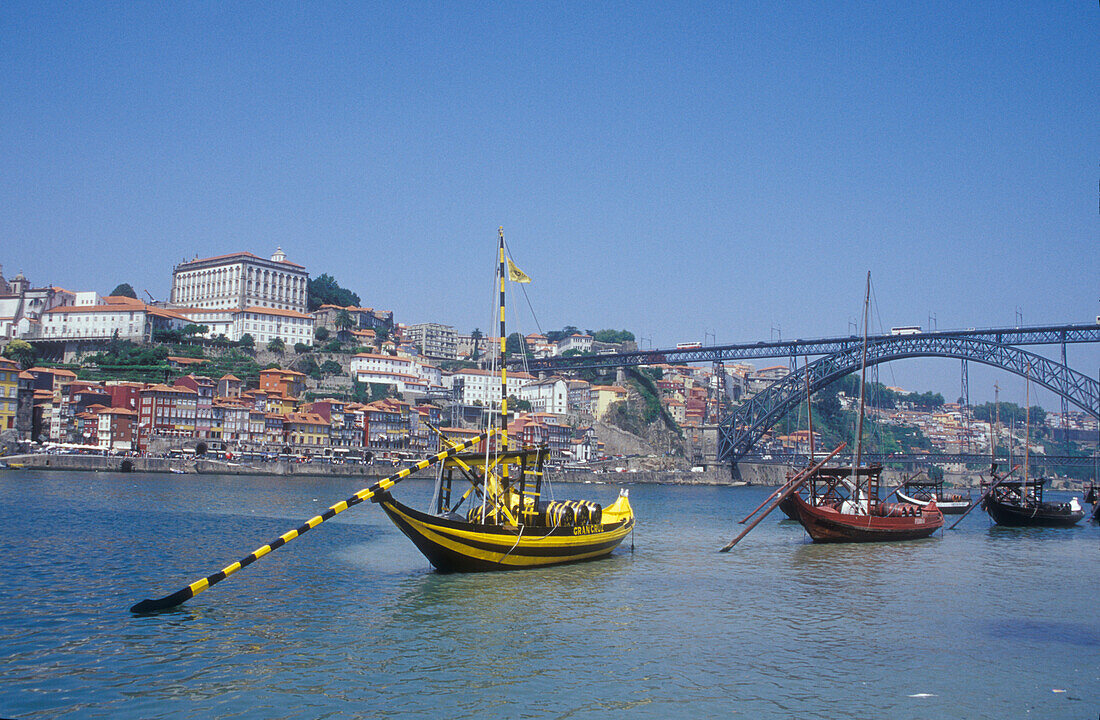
(763,474)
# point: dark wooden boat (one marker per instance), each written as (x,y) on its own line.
(1019,503)
(832,477)
(1091,495)
(834,512)
(920,492)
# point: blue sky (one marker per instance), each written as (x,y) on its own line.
(724,171)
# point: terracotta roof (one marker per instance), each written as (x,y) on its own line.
(186,360)
(56,371)
(205,311)
(306,418)
(117,411)
(282,372)
(229,377)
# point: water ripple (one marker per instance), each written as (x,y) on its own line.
(350,622)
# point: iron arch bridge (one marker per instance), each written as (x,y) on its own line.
(738,432)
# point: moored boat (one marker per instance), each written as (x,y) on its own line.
(835,512)
(505,523)
(844,505)
(921,493)
(1019,503)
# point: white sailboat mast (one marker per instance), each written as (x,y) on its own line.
(862,386)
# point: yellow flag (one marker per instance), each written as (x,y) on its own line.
(515,274)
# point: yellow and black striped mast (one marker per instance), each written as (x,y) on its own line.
(503,347)
(496,486)
(184,594)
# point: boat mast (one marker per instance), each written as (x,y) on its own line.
(996,421)
(1027,428)
(809,411)
(862,386)
(503,346)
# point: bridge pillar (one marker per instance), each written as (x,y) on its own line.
(620,377)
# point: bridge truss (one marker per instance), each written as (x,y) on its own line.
(738,432)
(1038,335)
(800,460)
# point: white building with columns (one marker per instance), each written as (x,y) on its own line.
(241,280)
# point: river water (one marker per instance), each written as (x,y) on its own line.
(349,621)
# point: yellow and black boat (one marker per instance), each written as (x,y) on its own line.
(507,525)
(501,520)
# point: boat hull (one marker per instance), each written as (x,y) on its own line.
(826,525)
(789,507)
(459,546)
(947,507)
(1040,515)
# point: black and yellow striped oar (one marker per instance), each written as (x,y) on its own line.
(184,594)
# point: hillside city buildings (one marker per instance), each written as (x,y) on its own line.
(284,412)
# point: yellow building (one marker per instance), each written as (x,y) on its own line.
(604,395)
(308,429)
(9,392)
(280,404)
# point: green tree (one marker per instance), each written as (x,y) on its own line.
(556,335)
(191,330)
(369,392)
(343,321)
(309,366)
(124,290)
(613,336)
(331,367)
(276,345)
(324,290)
(168,335)
(476,336)
(321,334)
(247,342)
(515,345)
(21,352)
(301,347)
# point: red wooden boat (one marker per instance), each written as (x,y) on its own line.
(886,521)
(844,506)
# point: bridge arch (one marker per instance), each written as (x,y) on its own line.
(738,432)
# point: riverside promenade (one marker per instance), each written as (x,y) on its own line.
(762,474)
(747,473)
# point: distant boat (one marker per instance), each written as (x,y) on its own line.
(920,493)
(1019,503)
